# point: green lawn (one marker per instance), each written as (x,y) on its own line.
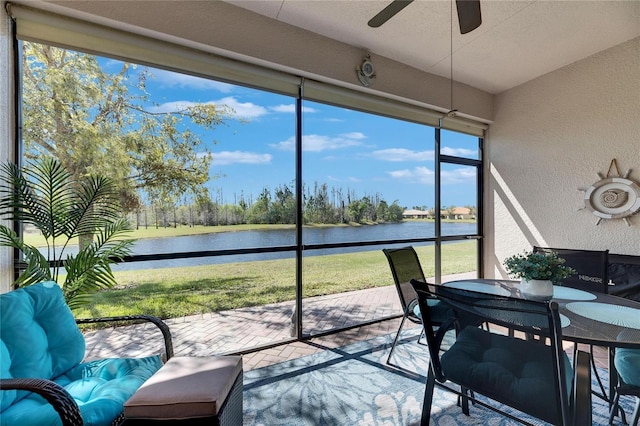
(189,290)
(176,292)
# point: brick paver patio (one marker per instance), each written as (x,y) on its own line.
(240,329)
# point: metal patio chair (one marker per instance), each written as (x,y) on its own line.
(405,265)
(592,274)
(531,376)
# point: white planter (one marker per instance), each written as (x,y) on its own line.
(536,289)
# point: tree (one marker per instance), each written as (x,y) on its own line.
(381,210)
(95,122)
(47,196)
(356,210)
(394,212)
(318,207)
(283,207)
(369,211)
(259,211)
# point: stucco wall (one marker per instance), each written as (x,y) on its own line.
(550,138)
(6,128)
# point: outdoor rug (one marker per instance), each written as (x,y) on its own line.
(353,386)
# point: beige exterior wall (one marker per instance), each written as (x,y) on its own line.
(550,138)
(6,129)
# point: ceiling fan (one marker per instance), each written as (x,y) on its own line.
(469,15)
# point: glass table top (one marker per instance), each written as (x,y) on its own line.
(479,286)
(622,316)
(592,318)
(568,293)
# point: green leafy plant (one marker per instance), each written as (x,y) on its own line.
(538,266)
(62,207)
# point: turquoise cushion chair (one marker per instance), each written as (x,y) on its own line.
(39,339)
(627,362)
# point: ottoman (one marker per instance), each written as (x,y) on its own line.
(190,390)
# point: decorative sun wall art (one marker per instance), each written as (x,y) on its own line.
(613,196)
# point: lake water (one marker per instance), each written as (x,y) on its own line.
(285,237)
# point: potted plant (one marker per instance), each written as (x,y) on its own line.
(538,272)
(46,196)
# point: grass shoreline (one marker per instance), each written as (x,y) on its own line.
(190,290)
(36,239)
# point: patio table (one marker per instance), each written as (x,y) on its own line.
(589,318)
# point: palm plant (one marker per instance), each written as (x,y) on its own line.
(45,195)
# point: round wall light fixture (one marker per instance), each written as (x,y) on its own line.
(366,72)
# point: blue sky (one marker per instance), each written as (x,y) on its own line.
(348,150)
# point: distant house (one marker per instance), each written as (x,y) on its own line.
(461,213)
(414,214)
(457,213)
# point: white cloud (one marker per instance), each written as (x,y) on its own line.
(459,152)
(424,175)
(172,79)
(353,135)
(243,109)
(291,108)
(462,175)
(240,109)
(421,174)
(402,154)
(223,158)
(319,143)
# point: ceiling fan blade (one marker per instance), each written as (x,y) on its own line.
(469,15)
(388,12)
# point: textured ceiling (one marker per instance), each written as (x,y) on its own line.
(517,41)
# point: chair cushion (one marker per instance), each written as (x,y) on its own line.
(100,388)
(185,387)
(440,312)
(627,362)
(39,336)
(515,372)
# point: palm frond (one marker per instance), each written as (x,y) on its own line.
(38,194)
(108,244)
(90,270)
(95,206)
(19,199)
(78,293)
(37,266)
(87,273)
(45,195)
(37,269)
